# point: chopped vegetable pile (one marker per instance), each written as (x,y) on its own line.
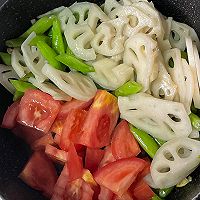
(111,95)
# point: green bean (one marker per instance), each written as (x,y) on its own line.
(195,121)
(165,192)
(37,38)
(75,63)
(57,39)
(131,87)
(14,43)
(159,141)
(49,54)
(145,141)
(156,197)
(6,58)
(22,86)
(17,95)
(40,26)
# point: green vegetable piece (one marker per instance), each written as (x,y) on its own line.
(195,120)
(131,87)
(159,141)
(6,58)
(22,86)
(50,34)
(57,39)
(165,192)
(184,55)
(75,63)
(156,197)
(26,77)
(18,95)
(14,43)
(145,141)
(37,38)
(40,26)
(49,54)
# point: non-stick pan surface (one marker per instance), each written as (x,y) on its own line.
(15,16)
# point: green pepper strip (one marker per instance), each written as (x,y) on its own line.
(131,87)
(195,120)
(49,54)
(145,141)
(18,95)
(14,43)
(57,39)
(6,58)
(75,63)
(22,86)
(26,77)
(165,192)
(159,141)
(40,26)
(155,197)
(37,38)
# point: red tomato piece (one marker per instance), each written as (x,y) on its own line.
(57,139)
(72,127)
(142,191)
(41,143)
(93,158)
(38,109)
(107,158)
(100,121)
(105,194)
(75,165)
(125,196)
(64,111)
(9,119)
(28,134)
(119,175)
(59,189)
(123,143)
(56,155)
(40,174)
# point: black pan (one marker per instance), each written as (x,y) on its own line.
(15,16)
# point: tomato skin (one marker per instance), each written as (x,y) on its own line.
(93,158)
(142,191)
(72,127)
(100,121)
(58,125)
(28,134)
(56,155)
(107,158)
(123,143)
(75,164)
(125,196)
(41,143)
(10,117)
(38,172)
(119,175)
(105,194)
(38,110)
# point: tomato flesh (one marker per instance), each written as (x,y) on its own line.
(40,174)
(119,175)
(123,143)
(38,109)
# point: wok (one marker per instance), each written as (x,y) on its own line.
(15,16)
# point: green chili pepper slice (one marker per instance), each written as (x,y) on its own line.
(14,43)
(195,120)
(6,58)
(18,95)
(22,86)
(159,141)
(165,192)
(38,38)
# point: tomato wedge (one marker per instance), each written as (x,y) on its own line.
(56,155)
(38,109)
(123,143)
(72,127)
(119,175)
(75,164)
(93,158)
(100,121)
(64,111)
(107,158)
(41,143)
(40,174)
(125,196)
(142,191)
(9,119)
(105,194)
